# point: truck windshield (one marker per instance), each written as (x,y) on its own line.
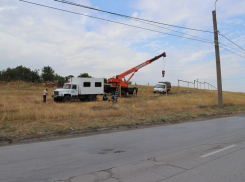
(160,86)
(67,86)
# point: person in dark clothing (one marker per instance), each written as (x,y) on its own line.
(105,97)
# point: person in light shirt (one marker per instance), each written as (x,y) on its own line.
(45,93)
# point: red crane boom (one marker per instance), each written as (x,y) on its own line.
(118,79)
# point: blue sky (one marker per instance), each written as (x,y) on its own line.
(35,37)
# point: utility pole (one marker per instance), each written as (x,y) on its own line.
(218,69)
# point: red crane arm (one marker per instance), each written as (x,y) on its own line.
(118,78)
(136,68)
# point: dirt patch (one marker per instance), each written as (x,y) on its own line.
(84,133)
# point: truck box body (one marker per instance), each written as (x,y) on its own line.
(89,85)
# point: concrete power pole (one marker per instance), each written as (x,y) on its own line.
(218,69)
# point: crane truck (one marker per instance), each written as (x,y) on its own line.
(118,79)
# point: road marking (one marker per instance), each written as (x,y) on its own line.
(218,151)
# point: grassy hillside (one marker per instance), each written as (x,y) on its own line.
(22,112)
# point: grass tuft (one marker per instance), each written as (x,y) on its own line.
(201,106)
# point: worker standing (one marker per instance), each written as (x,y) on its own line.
(45,93)
(134,93)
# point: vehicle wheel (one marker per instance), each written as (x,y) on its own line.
(56,100)
(92,98)
(123,94)
(154,92)
(67,98)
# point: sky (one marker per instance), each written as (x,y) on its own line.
(35,36)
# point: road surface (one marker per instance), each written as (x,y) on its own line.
(211,150)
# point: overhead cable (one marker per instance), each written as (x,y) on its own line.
(231,41)
(204,40)
(232,48)
(170,29)
(210,42)
(130,17)
(232,51)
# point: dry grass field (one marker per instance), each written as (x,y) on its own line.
(23,114)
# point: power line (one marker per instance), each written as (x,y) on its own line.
(125,16)
(210,42)
(232,48)
(204,40)
(231,41)
(145,21)
(171,30)
(232,51)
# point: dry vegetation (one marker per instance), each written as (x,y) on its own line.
(22,112)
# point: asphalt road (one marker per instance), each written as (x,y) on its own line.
(211,150)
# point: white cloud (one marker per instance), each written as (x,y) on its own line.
(7,8)
(34,37)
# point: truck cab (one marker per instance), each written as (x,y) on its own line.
(69,91)
(160,88)
(72,89)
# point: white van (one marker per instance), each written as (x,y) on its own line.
(160,88)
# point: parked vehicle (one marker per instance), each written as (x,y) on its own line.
(80,88)
(162,87)
(124,90)
(168,85)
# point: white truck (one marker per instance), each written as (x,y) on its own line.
(80,88)
(161,87)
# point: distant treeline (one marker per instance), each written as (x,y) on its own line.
(26,74)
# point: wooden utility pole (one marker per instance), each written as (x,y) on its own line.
(218,69)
